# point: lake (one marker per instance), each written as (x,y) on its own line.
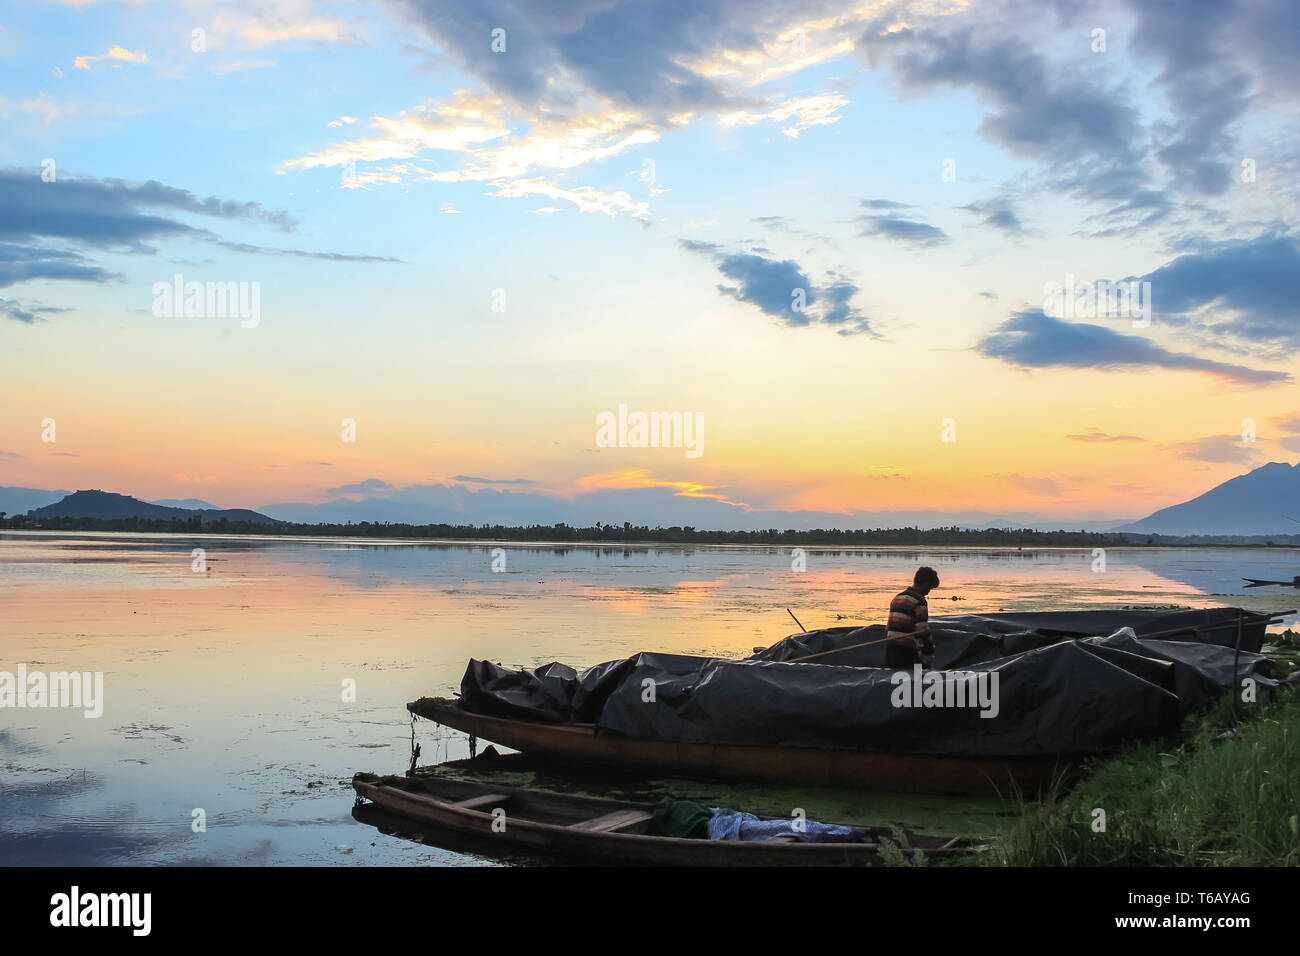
(226,673)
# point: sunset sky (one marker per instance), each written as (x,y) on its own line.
(474,230)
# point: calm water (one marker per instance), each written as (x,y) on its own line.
(223,688)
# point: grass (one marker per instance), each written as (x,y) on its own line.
(1228,797)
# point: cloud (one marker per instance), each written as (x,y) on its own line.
(306,254)
(798,113)
(116,55)
(492,481)
(1215,448)
(30,314)
(778,287)
(586,198)
(884,204)
(1034,340)
(641,478)
(11,456)
(369,486)
(323,464)
(997,213)
(912,231)
(1098,436)
(577,83)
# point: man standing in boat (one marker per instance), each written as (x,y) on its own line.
(909,635)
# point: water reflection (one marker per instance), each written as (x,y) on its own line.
(223,689)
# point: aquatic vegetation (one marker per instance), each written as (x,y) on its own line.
(1227,797)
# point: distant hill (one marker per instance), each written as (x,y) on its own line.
(193,503)
(108,506)
(1256,503)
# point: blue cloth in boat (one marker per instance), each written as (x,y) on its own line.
(739,825)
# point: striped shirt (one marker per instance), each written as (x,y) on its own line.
(909,617)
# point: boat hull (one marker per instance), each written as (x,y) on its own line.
(498,831)
(580,744)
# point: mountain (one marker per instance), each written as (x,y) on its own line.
(192,503)
(19,501)
(1256,503)
(108,506)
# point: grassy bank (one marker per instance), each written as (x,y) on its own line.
(1229,797)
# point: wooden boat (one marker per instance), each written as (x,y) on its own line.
(591,829)
(915,773)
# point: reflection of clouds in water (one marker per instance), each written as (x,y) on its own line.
(43,819)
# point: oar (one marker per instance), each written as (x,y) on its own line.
(796,620)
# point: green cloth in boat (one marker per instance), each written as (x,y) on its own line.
(681,818)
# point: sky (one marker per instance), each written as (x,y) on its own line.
(835,238)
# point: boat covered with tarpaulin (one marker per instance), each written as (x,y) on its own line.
(1014,701)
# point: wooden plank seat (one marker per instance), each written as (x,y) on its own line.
(613,822)
(486,800)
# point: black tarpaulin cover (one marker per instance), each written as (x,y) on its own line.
(964,639)
(1065,697)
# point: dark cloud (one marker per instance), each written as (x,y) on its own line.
(774,286)
(768,283)
(1036,109)
(840,312)
(492,481)
(1034,340)
(884,204)
(18,263)
(1245,289)
(110,213)
(46,227)
(997,213)
(1205,90)
(906,230)
(557,54)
